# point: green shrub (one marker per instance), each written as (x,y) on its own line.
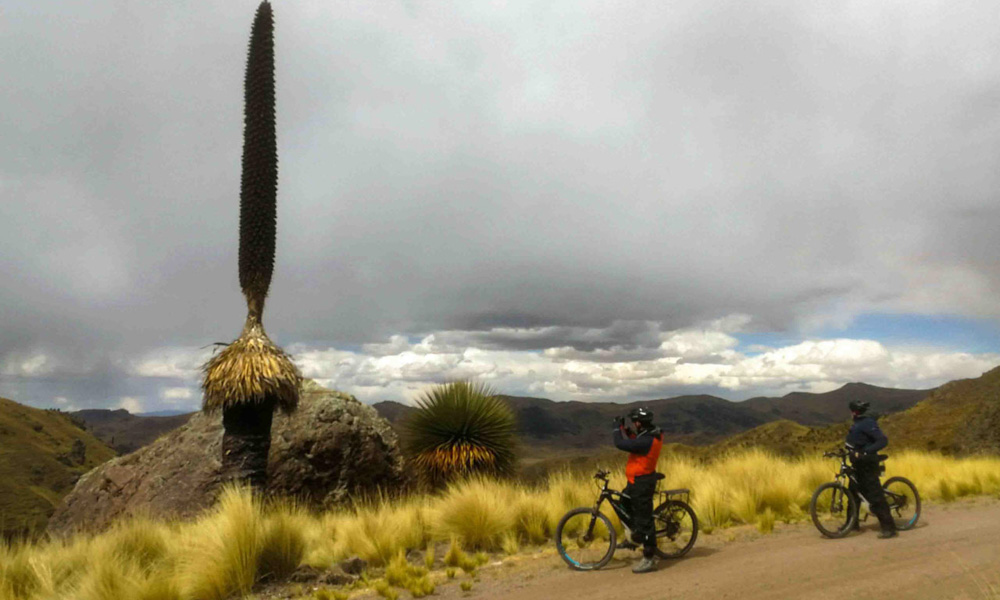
(461,429)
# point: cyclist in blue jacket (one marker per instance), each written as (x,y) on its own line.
(864,440)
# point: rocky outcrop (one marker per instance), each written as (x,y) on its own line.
(332,448)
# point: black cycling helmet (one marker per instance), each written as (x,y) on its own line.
(642,415)
(858,406)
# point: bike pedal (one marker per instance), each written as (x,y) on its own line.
(627,546)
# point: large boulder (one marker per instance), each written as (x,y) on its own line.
(332,448)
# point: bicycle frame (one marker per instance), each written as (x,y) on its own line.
(616,500)
(847,475)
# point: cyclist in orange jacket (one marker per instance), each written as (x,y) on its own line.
(643,447)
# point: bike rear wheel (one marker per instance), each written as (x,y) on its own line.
(676,528)
(833,509)
(585,539)
(903,500)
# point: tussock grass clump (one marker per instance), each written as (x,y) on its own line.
(565,490)
(139,541)
(383,589)
(238,545)
(379,531)
(477,513)
(19,572)
(531,517)
(456,557)
(510,544)
(224,549)
(765,521)
(402,574)
(282,545)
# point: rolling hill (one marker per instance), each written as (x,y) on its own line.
(42,454)
(692,420)
(831,407)
(126,432)
(960,417)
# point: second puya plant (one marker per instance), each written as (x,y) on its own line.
(252,377)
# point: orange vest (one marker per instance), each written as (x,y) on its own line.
(643,464)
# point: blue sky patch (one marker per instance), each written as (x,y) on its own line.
(964,334)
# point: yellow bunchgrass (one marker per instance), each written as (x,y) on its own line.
(243,541)
(378,531)
(943,478)
(475,512)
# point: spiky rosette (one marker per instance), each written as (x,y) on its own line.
(461,429)
(252,369)
(259,179)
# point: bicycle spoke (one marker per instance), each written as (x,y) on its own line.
(676,529)
(831,509)
(585,540)
(903,502)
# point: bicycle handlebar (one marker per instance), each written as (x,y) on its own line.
(601,474)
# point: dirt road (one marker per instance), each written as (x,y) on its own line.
(953,553)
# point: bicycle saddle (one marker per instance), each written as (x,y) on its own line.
(882,457)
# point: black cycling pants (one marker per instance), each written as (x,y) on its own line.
(641,504)
(867,473)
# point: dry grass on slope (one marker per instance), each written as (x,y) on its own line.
(227,552)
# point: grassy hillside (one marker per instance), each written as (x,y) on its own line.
(42,454)
(961,417)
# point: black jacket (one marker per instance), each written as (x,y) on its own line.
(865,437)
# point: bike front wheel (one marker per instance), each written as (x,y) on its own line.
(676,528)
(903,500)
(833,510)
(585,539)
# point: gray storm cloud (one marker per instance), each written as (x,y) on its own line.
(557,169)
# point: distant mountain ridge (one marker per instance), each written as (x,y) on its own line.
(822,409)
(126,432)
(960,417)
(693,419)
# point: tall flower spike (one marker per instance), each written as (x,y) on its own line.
(259,180)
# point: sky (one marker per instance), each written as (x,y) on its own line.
(585,200)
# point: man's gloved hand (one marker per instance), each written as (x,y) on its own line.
(619,422)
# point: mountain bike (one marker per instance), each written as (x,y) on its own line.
(835,507)
(587,540)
